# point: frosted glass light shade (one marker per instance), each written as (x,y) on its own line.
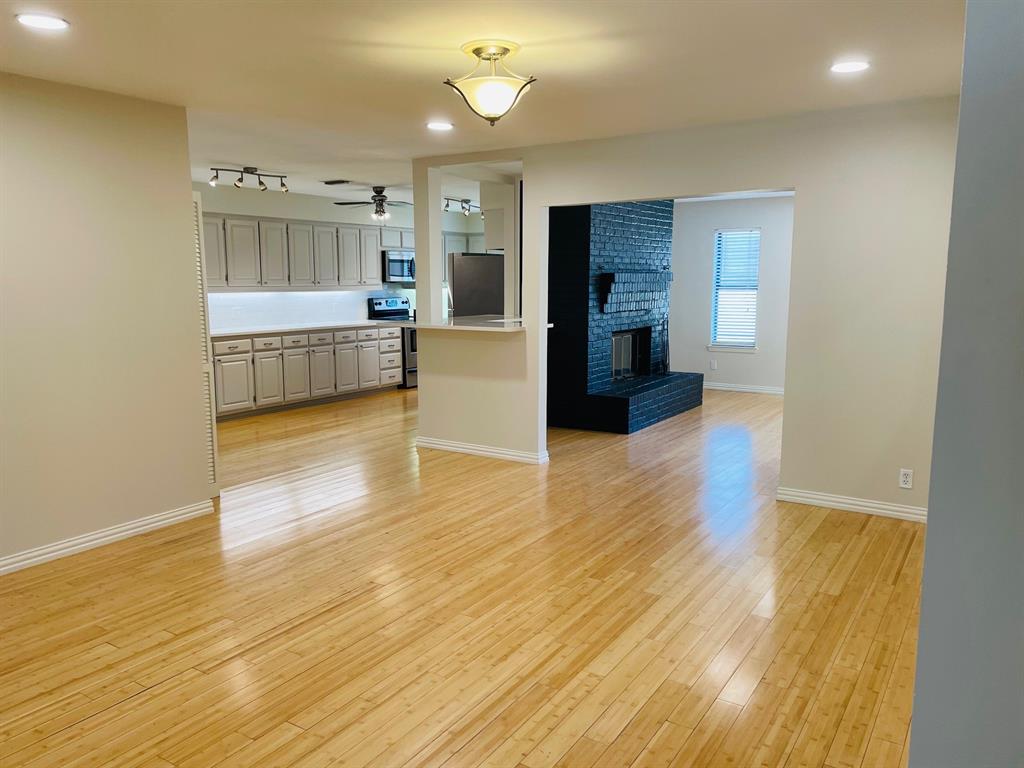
(492,96)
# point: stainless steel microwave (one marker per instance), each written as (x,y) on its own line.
(400,266)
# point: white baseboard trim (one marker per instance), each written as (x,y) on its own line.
(851,504)
(482,450)
(743,388)
(75,544)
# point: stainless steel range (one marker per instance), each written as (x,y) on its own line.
(397,308)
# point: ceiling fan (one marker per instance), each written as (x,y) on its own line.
(379,201)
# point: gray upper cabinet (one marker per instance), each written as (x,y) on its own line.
(477,243)
(325,253)
(269,378)
(455,243)
(370,256)
(300,255)
(216,257)
(242,245)
(408,239)
(233,382)
(273,252)
(390,237)
(348,256)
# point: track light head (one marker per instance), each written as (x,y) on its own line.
(465,207)
(284,187)
(239,181)
(447,204)
(215,178)
(261,186)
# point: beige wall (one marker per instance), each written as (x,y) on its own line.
(225,198)
(693,257)
(873,189)
(101,397)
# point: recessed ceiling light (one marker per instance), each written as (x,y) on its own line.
(439,125)
(42,21)
(849,67)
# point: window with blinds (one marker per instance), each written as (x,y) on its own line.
(734,303)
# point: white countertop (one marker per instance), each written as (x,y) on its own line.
(249,330)
(485,323)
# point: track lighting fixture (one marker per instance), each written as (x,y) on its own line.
(248,170)
(466,206)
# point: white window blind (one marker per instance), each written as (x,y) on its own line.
(734,304)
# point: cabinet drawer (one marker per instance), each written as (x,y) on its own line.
(391,345)
(300,340)
(367,334)
(344,337)
(390,333)
(232,346)
(387,378)
(391,360)
(262,343)
(319,339)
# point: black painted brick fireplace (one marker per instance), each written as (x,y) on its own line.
(608,271)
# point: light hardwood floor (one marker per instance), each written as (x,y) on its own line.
(641,601)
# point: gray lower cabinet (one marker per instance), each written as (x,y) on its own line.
(273,252)
(296,374)
(325,251)
(300,255)
(268,372)
(321,371)
(242,247)
(346,367)
(215,252)
(369,364)
(233,380)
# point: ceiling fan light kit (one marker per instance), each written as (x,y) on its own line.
(378,200)
(494,94)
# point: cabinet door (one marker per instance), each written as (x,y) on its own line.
(370,257)
(346,367)
(455,243)
(300,254)
(233,379)
(348,246)
(273,253)
(369,365)
(477,244)
(390,237)
(408,239)
(269,377)
(321,371)
(216,255)
(325,251)
(242,243)
(296,375)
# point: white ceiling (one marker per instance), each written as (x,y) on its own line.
(323,90)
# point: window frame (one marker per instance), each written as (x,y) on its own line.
(715,345)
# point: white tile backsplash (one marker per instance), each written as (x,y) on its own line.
(233,311)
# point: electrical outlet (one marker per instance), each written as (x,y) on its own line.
(714,365)
(906,478)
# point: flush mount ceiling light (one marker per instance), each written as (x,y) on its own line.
(42,21)
(491,95)
(248,170)
(849,67)
(439,125)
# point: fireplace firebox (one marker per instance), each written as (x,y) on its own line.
(631,353)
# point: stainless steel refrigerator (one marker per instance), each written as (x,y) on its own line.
(477,283)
